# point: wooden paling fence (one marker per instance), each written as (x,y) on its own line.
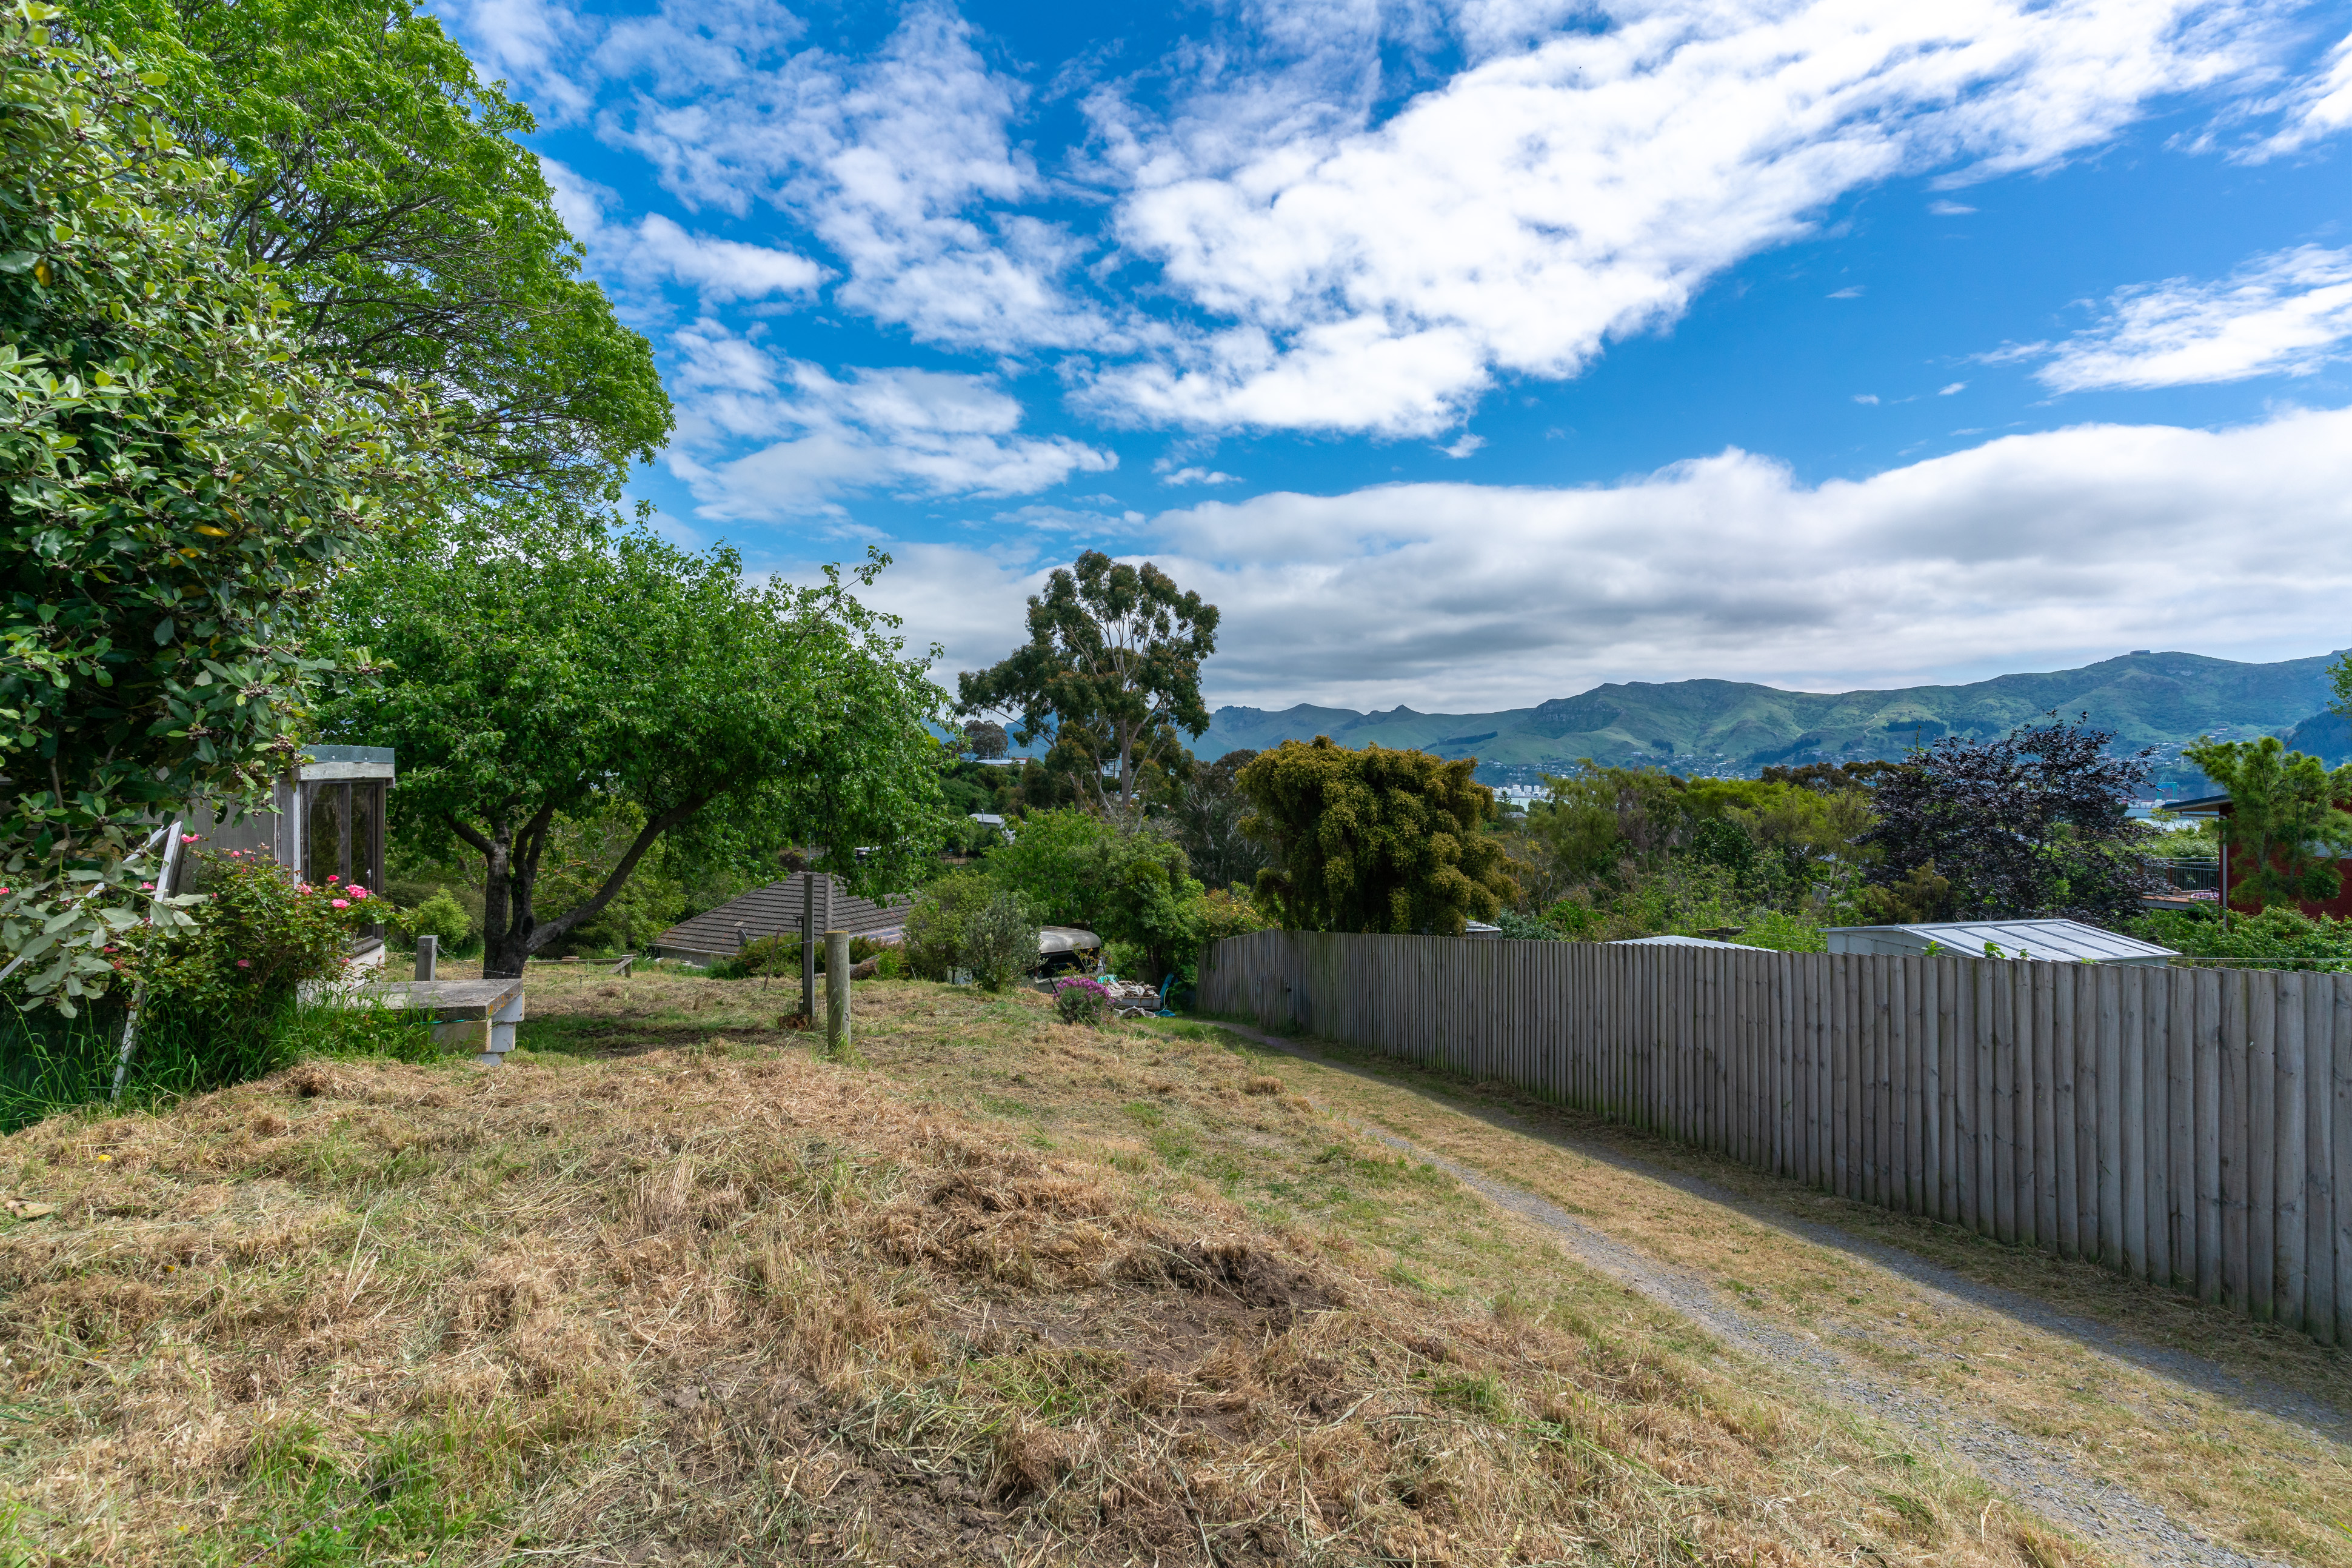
(2192,1127)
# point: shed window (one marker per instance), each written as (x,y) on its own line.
(342,832)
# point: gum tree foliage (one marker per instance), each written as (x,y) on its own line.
(1374,840)
(522,684)
(178,484)
(2285,829)
(383,183)
(1203,807)
(1110,672)
(2031,823)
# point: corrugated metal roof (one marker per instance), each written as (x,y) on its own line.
(776,908)
(1681,941)
(2060,941)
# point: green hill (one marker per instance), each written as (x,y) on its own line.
(1731,727)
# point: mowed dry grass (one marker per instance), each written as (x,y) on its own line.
(665,1288)
(2220,1462)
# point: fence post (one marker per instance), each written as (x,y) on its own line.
(836,995)
(428,956)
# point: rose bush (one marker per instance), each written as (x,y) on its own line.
(258,936)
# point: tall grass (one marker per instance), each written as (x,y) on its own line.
(49,1064)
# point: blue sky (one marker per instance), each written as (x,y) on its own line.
(1469,355)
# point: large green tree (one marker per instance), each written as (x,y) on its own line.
(1110,672)
(2285,830)
(1374,840)
(178,484)
(524,681)
(382,180)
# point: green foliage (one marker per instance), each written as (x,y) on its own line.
(181,481)
(2279,936)
(441,917)
(1374,840)
(935,924)
(583,676)
(385,184)
(582,852)
(2285,829)
(1921,896)
(1000,941)
(1129,885)
(1110,672)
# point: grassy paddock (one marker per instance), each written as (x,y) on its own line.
(665,1288)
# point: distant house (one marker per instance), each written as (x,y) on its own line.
(2338,909)
(775,910)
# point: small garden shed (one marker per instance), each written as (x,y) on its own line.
(2054,941)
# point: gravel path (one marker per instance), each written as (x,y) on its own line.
(2036,1474)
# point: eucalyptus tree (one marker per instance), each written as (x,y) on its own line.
(527,669)
(1110,672)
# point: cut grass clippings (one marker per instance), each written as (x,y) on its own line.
(2219,1462)
(664,1288)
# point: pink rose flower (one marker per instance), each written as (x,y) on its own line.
(146,887)
(188,838)
(335,876)
(4,892)
(340,903)
(356,891)
(245,963)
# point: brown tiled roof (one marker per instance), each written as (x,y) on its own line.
(766,911)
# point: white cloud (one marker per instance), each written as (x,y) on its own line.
(1555,196)
(1869,398)
(1464,446)
(911,432)
(2286,313)
(657,250)
(525,43)
(1954,387)
(898,165)
(1851,291)
(2047,546)
(2321,107)
(1197,475)
(1949,209)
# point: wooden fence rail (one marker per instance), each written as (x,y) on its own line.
(2192,1127)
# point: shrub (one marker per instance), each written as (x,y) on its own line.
(2278,936)
(1000,942)
(781,955)
(935,926)
(441,917)
(257,937)
(1079,999)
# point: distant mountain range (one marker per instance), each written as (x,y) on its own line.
(1732,728)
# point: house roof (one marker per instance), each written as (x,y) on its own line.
(1681,941)
(775,909)
(2204,806)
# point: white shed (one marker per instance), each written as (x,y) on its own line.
(2056,941)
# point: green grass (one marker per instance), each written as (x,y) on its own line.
(50,1063)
